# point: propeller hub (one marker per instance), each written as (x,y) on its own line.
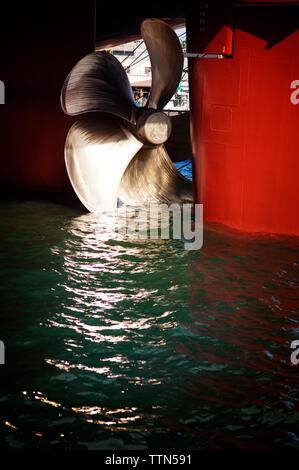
(154,127)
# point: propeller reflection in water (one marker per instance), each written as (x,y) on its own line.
(153,221)
(118,342)
(116,328)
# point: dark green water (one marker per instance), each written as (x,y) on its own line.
(140,344)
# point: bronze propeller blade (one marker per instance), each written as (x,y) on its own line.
(152,178)
(166,58)
(98,83)
(97,152)
(118,152)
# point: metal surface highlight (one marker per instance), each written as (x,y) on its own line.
(117,153)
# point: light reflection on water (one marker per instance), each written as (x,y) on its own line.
(129,343)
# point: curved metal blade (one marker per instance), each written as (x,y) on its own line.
(98,83)
(166,58)
(151,177)
(97,152)
(178,144)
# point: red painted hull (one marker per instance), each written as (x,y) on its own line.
(245,126)
(41,43)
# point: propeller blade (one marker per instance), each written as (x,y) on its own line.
(98,83)
(97,152)
(151,177)
(166,58)
(178,144)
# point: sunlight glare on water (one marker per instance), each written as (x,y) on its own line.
(119,343)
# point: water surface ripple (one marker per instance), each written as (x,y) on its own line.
(139,344)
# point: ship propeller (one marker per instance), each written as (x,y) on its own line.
(116,150)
